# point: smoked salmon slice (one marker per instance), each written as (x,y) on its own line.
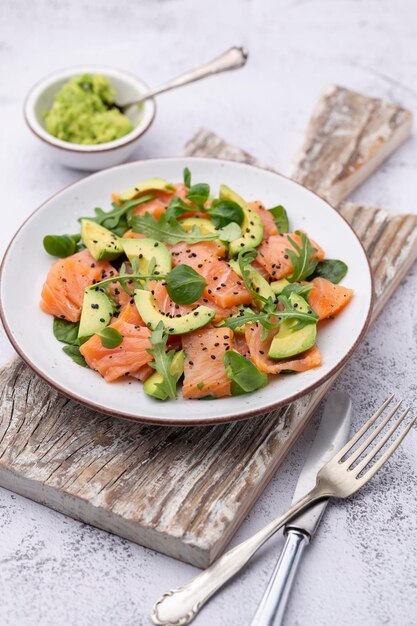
(224,287)
(204,371)
(128,358)
(240,345)
(63,291)
(259,354)
(327,299)
(267,219)
(273,258)
(130,315)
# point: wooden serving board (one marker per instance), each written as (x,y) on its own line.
(184,491)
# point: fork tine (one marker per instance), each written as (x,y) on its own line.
(380,444)
(356,454)
(377,466)
(362,430)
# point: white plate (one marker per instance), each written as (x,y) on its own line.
(26,265)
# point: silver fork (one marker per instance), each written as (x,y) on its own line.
(337,479)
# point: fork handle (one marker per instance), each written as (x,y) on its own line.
(180,606)
(271,609)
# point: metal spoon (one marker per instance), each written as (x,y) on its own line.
(232,59)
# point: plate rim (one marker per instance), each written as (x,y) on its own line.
(173,421)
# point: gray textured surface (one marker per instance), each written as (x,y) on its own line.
(361,567)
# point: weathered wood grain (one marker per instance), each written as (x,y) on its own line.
(361,131)
(182,491)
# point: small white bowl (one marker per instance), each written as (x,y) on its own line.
(89,157)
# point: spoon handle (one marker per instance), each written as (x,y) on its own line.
(232,59)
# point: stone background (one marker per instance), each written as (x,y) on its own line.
(361,568)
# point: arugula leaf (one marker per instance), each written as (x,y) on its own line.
(185,285)
(248,316)
(61,245)
(244,375)
(129,282)
(244,259)
(168,230)
(66,332)
(110,337)
(162,362)
(301,290)
(118,216)
(176,208)
(270,317)
(74,353)
(223,212)
(187,177)
(281,218)
(290,312)
(332,269)
(301,258)
(199,194)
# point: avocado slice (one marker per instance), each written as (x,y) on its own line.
(288,342)
(278,286)
(151,386)
(259,284)
(206,226)
(153,184)
(145,249)
(96,313)
(151,315)
(102,244)
(252,229)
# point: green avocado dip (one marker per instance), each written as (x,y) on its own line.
(82,112)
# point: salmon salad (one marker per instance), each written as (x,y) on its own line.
(183,287)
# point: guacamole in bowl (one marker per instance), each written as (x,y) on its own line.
(83,112)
